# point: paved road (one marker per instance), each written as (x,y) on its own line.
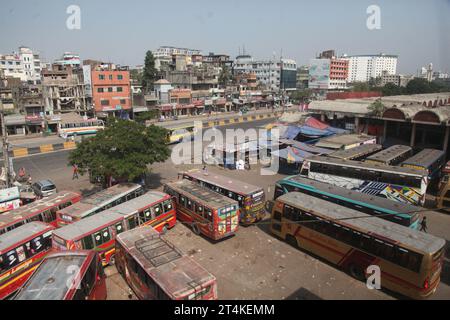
(253,264)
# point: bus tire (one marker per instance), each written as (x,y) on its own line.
(356,272)
(195,228)
(292,241)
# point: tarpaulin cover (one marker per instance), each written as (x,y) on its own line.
(314,123)
(292,154)
(313,132)
(291,132)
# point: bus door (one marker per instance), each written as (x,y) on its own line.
(276,209)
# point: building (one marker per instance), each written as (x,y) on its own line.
(69,59)
(170,51)
(162,88)
(11,66)
(326,72)
(272,74)
(111,90)
(364,67)
(63,89)
(302,77)
(31,64)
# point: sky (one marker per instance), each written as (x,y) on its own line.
(418,31)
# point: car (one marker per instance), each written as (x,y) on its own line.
(44,188)
(27,194)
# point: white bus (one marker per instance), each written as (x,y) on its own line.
(401,184)
(89,126)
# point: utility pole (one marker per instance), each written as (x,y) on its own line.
(5,147)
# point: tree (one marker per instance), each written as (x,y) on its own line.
(141,117)
(418,85)
(391,89)
(135,74)
(376,108)
(360,87)
(301,95)
(149,73)
(224,76)
(122,151)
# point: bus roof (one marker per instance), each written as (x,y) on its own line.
(49,281)
(343,140)
(30,209)
(365,199)
(140,202)
(367,165)
(224,182)
(174,272)
(79,229)
(205,196)
(421,241)
(424,158)
(356,152)
(98,199)
(22,233)
(390,153)
(175,126)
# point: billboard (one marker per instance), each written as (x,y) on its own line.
(87,80)
(319,74)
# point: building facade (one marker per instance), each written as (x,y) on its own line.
(364,67)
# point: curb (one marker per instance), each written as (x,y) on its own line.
(46,148)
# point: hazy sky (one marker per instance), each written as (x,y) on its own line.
(121,31)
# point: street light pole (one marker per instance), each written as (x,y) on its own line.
(5,147)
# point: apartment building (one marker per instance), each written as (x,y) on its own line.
(364,67)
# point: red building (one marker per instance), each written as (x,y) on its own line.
(111,90)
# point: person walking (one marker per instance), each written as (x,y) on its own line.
(423,224)
(75,172)
(29,181)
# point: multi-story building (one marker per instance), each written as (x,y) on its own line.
(170,51)
(69,59)
(25,65)
(273,74)
(327,72)
(364,67)
(63,89)
(111,90)
(302,77)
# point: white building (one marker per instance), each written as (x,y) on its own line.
(69,59)
(169,51)
(24,65)
(273,74)
(364,67)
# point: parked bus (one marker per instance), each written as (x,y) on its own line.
(40,210)
(356,153)
(98,232)
(401,213)
(21,251)
(211,214)
(431,160)
(9,199)
(391,156)
(89,126)
(250,198)
(154,269)
(98,202)
(405,185)
(410,260)
(70,275)
(180,132)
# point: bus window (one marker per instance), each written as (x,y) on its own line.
(208,214)
(87,242)
(278,192)
(132,222)
(199,209)
(145,215)
(157,210)
(37,245)
(167,206)
(189,205)
(119,228)
(102,237)
(183,200)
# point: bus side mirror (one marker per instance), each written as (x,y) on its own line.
(269,205)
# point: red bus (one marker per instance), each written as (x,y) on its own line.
(208,212)
(21,252)
(156,270)
(99,231)
(70,275)
(98,202)
(40,210)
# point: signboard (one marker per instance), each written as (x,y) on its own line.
(87,80)
(319,74)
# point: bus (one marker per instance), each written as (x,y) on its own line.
(211,214)
(356,153)
(180,132)
(154,269)
(89,126)
(21,251)
(9,199)
(391,156)
(98,202)
(98,232)
(405,185)
(431,160)
(250,198)
(70,275)
(40,210)
(401,213)
(410,261)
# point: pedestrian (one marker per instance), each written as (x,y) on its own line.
(205,171)
(423,224)
(75,172)
(22,173)
(29,181)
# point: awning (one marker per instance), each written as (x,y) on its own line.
(292,155)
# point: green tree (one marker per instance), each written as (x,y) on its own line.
(224,76)
(376,108)
(418,85)
(149,73)
(391,89)
(141,117)
(122,151)
(300,95)
(136,75)
(360,86)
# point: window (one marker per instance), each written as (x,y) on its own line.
(145,215)
(167,206)
(189,204)
(100,90)
(183,201)
(101,77)
(110,77)
(87,242)
(104,102)
(157,209)
(132,222)
(119,228)
(208,214)
(122,101)
(110,89)
(119,89)
(102,237)
(119,77)
(199,209)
